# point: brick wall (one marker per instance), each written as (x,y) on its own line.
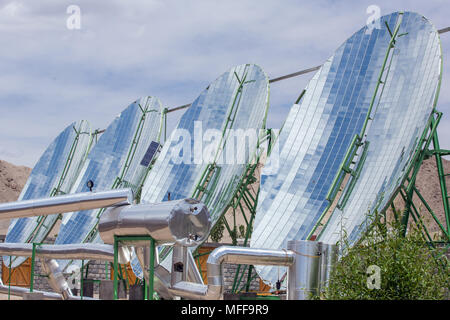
(229,271)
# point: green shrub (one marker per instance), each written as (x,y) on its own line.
(408,270)
(216,233)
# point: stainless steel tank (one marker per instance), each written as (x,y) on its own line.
(184,222)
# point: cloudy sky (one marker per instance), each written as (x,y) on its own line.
(51,75)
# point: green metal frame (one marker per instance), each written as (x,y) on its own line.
(148,287)
(408,188)
(33,258)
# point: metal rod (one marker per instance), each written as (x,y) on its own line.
(65,203)
(152,268)
(33,256)
(249,278)
(442,181)
(9,279)
(116,249)
(288,76)
(295,74)
(81,279)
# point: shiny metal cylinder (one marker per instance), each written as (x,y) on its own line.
(65,203)
(185,222)
(328,260)
(303,276)
(56,278)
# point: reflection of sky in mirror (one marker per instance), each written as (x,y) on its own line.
(236,100)
(106,163)
(319,131)
(57,168)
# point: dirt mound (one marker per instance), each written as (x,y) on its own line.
(12,180)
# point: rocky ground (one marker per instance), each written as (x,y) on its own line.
(12,180)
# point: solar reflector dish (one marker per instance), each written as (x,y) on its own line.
(320,131)
(114,162)
(54,174)
(234,104)
(237,100)
(408,99)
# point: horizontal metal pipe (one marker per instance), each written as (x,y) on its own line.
(230,255)
(85,251)
(255,256)
(65,203)
(19,291)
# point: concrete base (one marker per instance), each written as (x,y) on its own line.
(32,296)
(107,290)
(136,292)
(240,296)
(88,288)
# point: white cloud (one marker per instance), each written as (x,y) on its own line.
(172,49)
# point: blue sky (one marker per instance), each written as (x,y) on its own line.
(51,76)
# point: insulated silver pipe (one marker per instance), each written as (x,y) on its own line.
(232,255)
(77,251)
(56,278)
(19,291)
(185,222)
(50,266)
(193,272)
(65,203)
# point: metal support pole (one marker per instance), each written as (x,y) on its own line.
(9,278)
(145,289)
(151,273)
(116,249)
(442,181)
(249,278)
(33,257)
(81,280)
